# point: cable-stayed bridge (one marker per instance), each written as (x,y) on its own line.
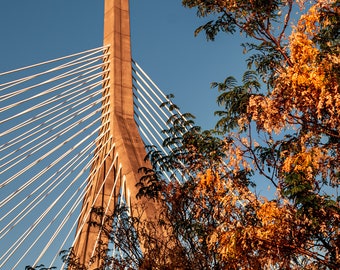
(68,144)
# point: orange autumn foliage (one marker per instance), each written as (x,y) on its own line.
(290,136)
(286,138)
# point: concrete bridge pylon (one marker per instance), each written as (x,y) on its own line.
(124,138)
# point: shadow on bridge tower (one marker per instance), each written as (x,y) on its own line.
(118,162)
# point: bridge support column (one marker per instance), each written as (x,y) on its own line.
(123,130)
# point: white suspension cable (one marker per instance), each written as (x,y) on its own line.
(80,198)
(59,228)
(150,142)
(66,117)
(151,133)
(69,73)
(74,224)
(152,82)
(44,156)
(30,133)
(157,88)
(46,142)
(42,126)
(144,91)
(15,246)
(155,104)
(156,121)
(66,169)
(51,90)
(107,207)
(47,227)
(155,109)
(96,50)
(96,197)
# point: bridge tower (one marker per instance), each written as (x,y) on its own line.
(125,140)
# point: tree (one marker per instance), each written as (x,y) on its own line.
(287,133)
(39,267)
(279,126)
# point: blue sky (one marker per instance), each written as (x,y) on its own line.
(163,43)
